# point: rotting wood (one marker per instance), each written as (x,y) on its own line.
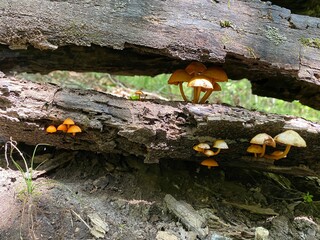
(187,215)
(251,39)
(150,129)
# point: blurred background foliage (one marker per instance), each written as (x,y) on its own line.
(235,93)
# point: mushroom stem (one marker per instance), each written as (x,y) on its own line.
(196,94)
(217,152)
(182,92)
(282,155)
(263,150)
(206,96)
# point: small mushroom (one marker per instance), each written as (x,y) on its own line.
(289,138)
(201,147)
(209,153)
(178,77)
(215,74)
(264,140)
(51,129)
(74,129)
(255,149)
(139,94)
(62,127)
(195,68)
(68,122)
(275,155)
(209,163)
(199,83)
(220,144)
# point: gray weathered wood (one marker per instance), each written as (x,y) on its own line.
(187,215)
(153,130)
(262,41)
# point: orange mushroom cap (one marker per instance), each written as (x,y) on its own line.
(209,163)
(74,129)
(179,76)
(217,74)
(62,127)
(195,68)
(68,122)
(51,129)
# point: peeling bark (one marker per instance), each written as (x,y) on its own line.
(152,130)
(250,39)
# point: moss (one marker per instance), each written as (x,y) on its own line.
(225,24)
(311,42)
(272,33)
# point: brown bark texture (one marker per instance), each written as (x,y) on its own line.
(150,129)
(276,50)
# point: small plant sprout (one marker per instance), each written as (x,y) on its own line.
(307,197)
(10,147)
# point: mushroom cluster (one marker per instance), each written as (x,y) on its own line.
(200,78)
(68,126)
(204,148)
(288,138)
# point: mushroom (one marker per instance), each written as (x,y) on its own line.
(139,93)
(215,74)
(51,129)
(74,129)
(195,68)
(264,140)
(275,155)
(178,77)
(209,153)
(209,163)
(198,83)
(68,122)
(255,149)
(289,138)
(62,127)
(201,147)
(220,144)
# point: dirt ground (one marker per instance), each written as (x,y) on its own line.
(91,196)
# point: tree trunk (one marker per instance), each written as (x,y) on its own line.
(276,50)
(150,129)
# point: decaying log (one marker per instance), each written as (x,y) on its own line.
(274,49)
(152,130)
(187,215)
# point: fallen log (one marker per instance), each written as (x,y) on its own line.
(150,129)
(276,50)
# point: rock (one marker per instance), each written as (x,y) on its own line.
(261,234)
(306,227)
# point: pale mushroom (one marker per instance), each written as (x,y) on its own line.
(264,140)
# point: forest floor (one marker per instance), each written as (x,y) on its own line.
(91,196)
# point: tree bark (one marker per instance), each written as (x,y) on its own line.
(276,50)
(151,129)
